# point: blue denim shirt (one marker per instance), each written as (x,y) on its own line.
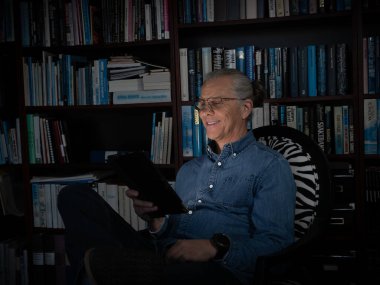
(246,192)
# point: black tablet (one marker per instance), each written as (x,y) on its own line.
(138,172)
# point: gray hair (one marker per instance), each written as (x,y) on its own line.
(242,86)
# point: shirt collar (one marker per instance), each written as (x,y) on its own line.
(231,148)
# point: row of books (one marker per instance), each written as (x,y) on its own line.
(330,126)
(10,143)
(372,192)
(44,198)
(68,80)
(300,71)
(162,133)
(84,22)
(14,261)
(371,126)
(7,29)
(48,141)
(49,263)
(193,11)
(371,64)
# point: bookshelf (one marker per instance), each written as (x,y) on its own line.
(99,127)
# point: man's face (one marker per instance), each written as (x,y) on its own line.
(224,122)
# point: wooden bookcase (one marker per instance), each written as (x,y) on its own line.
(95,127)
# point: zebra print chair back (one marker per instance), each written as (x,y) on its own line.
(312,177)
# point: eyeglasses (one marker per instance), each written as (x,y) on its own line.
(213,103)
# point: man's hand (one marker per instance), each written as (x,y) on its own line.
(143,208)
(191,250)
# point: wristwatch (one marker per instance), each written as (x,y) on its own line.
(222,244)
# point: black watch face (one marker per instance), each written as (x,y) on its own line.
(222,240)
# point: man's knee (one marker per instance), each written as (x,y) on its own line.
(69,195)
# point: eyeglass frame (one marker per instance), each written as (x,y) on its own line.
(222,99)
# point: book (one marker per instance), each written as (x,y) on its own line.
(370,126)
(141,96)
(312,70)
(321,70)
(131,84)
(303,71)
(342,69)
(251,9)
(87,177)
(331,70)
(197,134)
(187,131)
(293,85)
(338,129)
(138,172)
(183,69)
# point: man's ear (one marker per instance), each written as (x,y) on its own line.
(246,108)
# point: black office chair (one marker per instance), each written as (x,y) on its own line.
(312,176)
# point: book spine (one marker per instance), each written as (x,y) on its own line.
(217,58)
(328,129)
(187,131)
(371,63)
(302,71)
(293,53)
(278,72)
(320,126)
(249,56)
(331,70)
(321,70)
(341,69)
(285,72)
(272,73)
(197,133)
(240,59)
(312,70)
(198,72)
(191,64)
(338,129)
(370,126)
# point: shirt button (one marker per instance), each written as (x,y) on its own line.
(234,154)
(219,163)
(211,186)
(199,201)
(190,212)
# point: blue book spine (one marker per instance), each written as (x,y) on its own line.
(187,131)
(272,72)
(321,71)
(282,115)
(371,65)
(249,52)
(197,133)
(303,7)
(104,97)
(312,70)
(240,59)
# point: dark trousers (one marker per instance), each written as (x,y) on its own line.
(90,222)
